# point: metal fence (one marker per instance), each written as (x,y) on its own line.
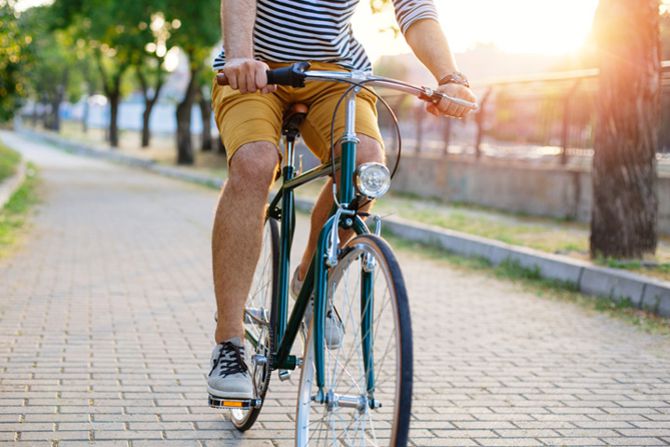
(549,117)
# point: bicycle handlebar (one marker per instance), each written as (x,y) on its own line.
(291,76)
(295,76)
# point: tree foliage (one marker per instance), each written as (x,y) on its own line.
(12,53)
(51,68)
(117,34)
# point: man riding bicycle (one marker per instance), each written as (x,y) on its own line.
(267,34)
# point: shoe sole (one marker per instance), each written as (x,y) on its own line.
(220,394)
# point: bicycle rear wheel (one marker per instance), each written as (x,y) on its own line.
(364,406)
(257,322)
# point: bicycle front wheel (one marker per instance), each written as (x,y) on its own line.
(368,373)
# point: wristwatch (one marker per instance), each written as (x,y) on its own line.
(455,78)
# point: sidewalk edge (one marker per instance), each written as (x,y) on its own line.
(11,184)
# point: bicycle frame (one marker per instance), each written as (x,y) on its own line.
(342,216)
(287,328)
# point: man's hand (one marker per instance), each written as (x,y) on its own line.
(248,75)
(446,107)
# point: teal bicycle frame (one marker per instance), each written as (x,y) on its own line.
(344,216)
(287,328)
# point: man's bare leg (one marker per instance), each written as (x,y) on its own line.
(237,233)
(368,150)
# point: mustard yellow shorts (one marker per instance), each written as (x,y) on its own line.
(250,117)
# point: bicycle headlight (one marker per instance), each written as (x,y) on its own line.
(372,180)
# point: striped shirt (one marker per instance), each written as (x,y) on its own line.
(319,30)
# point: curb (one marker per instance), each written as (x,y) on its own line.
(643,292)
(10,185)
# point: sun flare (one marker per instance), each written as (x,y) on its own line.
(515,26)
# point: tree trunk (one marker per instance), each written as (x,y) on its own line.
(44,116)
(112,88)
(54,123)
(114,99)
(625,202)
(146,117)
(185,154)
(150,100)
(35,114)
(85,114)
(206,114)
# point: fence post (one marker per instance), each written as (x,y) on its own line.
(446,135)
(565,132)
(419,127)
(479,119)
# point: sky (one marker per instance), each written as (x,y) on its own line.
(516,26)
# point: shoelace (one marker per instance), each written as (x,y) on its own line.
(231,359)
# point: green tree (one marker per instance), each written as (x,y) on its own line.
(197,35)
(12,53)
(151,71)
(625,202)
(90,80)
(50,70)
(117,32)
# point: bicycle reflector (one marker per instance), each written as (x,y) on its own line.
(372,180)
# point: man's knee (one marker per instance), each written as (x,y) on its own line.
(369,150)
(254,166)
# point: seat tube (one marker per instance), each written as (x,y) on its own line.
(349,142)
(287,227)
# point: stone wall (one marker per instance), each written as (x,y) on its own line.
(522,187)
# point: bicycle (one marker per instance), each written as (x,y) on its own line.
(360,392)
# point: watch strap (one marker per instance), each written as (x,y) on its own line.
(455,78)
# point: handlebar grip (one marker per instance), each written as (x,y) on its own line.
(291,76)
(221,79)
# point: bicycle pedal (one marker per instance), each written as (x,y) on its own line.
(284,374)
(240,404)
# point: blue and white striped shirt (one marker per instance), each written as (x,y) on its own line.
(319,30)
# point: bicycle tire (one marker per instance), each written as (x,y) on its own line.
(333,427)
(262,292)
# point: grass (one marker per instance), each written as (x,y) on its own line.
(659,270)
(558,236)
(9,161)
(531,280)
(13,216)
(515,229)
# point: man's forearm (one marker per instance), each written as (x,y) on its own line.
(429,43)
(237,21)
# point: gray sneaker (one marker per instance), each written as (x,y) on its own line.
(334,329)
(229,377)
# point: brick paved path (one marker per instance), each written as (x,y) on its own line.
(106,315)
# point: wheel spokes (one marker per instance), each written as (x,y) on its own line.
(345,369)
